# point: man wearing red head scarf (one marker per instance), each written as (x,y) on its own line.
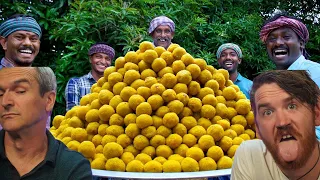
(285,38)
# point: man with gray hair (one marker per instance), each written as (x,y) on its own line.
(27,149)
(20,39)
(229,57)
(161,30)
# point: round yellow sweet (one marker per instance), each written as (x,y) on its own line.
(157,140)
(123,109)
(180,129)
(127,157)
(98,163)
(115,164)
(140,142)
(207,164)
(153,166)
(222,110)
(168,57)
(195,70)
(230,133)
(205,76)
(115,130)
(208,111)
(195,153)
(181,150)
(102,129)
(119,62)
(92,115)
(205,142)
(149,55)
(87,149)
(176,157)
(75,122)
(105,112)
(159,50)
(132,130)
(224,123)
(251,133)
(164,151)
(92,128)
(184,76)
(131,56)
(112,149)
(73,145)
(171,166)
(245,137)
(149,150)
(131,66)
(130,76)
(115,101)
(177,66)
(187,59)
(232,150)
(224,162)
(96,140)
(144,158)
(131,149)
(178,53)
(243,106)
(145,45)
(238,128)
(216,131)
(170,120)
(124,140)
(149,132)
(197,131)
(147,73)
(127,92)
(225,143)
(155,101)
(173,140)
(194,88)
(188,164)
(164,131)
(157,121)
(144,120)
(250,118)
(79,134)
(138,83)
(169,95)
(215,152)
(57,120)
(195,104)
(201,63)
(189,140)
(144,108)
(108,71)
(135,100)
(158,64)
(239,119)
(164,71)
(135,166)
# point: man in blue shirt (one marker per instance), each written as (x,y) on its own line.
(285,38)
(100,57)
(229,56)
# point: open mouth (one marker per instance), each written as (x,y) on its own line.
(228,63)
(25,51)
(287,138)
(280,52)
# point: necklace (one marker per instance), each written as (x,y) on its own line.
(313,165)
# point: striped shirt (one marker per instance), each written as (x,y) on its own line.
(76,88)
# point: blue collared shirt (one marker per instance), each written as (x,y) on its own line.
(244,85)
(76,88)
(313,69)
(5,63)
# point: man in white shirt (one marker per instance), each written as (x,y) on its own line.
(286,106)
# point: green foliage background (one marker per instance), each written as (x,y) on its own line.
(71,26)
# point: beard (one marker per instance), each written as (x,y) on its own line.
(307,144)
(20,63)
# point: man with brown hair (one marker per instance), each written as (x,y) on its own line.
(286,105)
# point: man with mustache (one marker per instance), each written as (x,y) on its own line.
(100,57)
(229,57)
(285,38)
(27,149)
(286,106)
(161,30)
(20,39)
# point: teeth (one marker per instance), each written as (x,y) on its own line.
(26,51)
(286,137)
(280,51)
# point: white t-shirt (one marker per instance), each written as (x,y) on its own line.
(253,161)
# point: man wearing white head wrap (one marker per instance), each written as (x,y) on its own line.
(162,31)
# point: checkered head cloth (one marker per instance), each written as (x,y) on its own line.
(161,20)
(297,26)
(232,46)
(102,48)
(20,24)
